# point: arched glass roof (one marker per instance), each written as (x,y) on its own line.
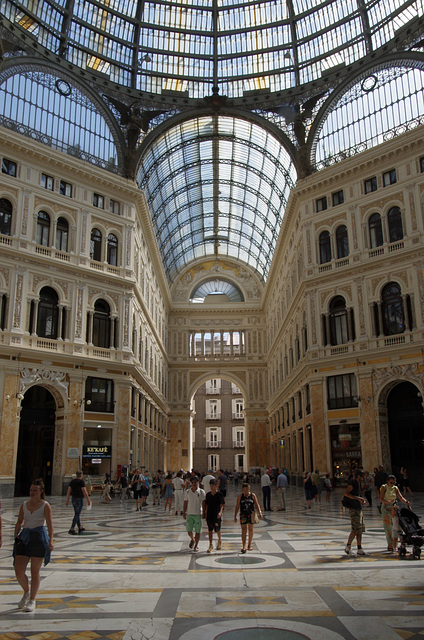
(216,186)
(191,46)
(213,105)
(54,111)
(374,108)
(217,287)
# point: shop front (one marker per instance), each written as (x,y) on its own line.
(345,451)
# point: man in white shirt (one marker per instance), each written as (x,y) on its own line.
(266,485)
(206,482)
(193,510)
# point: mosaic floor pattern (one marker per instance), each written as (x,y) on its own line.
(131,576)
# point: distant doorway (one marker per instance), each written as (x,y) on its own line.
(36,440)
(406,432)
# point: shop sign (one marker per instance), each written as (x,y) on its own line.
(96,451)
(346,454)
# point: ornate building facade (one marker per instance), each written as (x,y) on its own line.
(100,357)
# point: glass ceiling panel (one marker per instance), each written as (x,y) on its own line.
(49,109)
(381,105)
(234,196)
(187,47)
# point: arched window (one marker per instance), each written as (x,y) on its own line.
(392,308)
(62,232)
(101,324)
(376,231)
(96,245)
(324,247)
(394,218)
(48,313)
(6,211)
(112,250)
(43,229)
(342,242)
(339,327)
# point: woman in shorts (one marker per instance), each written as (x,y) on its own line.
(32,542)
(247,503)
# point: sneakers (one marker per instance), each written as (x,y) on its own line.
(72,532)
(348,550)
(81,529)
(210,549)
(361,552)
(30,606)
(23,601)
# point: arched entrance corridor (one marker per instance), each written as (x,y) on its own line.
(406,432)
(36,440)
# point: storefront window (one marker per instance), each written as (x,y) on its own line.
(346,451)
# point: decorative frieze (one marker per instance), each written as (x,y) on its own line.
(29,377)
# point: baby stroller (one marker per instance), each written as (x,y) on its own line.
(411,533)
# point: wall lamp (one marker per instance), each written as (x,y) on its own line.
(79,402)
(359,399)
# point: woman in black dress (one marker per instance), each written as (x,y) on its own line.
(247,503)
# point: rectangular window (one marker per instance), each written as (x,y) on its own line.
(213,386)
(65,189)
(389,177)
(9,167)
(342,391)
(213,462)
(338,198)
(307,399)
(238,437)
(47,181)
(239,462)
(235,389)
(99,395)
(213,409)
(98,201)
(114,207)
(238,408)
(213,437)
(321,204)
(422,165)
(370,185)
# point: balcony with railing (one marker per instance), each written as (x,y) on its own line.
(213,444)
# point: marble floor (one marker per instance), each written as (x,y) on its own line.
(132,576)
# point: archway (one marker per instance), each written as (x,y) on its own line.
(36,440)
(406,432)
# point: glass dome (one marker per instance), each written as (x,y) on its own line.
(215,107)
(193,49)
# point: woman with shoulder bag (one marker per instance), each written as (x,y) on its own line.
(249,508)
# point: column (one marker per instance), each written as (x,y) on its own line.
(60,322)
(33,328)
(90,328)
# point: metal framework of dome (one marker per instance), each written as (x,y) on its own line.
(200,97)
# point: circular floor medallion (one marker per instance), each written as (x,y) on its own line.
(258,633)
(238,561)
(243,560)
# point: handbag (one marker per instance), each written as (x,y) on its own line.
(255,517)
(350,504)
